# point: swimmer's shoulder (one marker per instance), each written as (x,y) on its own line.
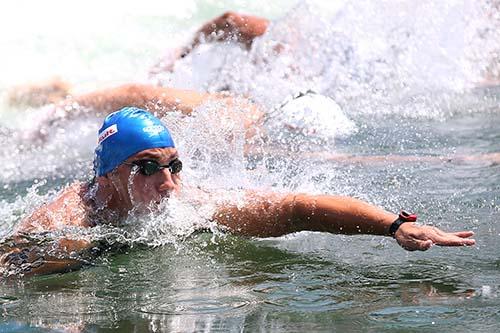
(69,208)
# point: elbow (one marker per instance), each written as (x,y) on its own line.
(294,213)
(300,207)
(133,94)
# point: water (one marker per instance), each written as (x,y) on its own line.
(406,85)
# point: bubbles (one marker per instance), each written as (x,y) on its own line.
(204,69)
(169,223)
(130,183)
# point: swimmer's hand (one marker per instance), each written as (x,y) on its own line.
(413,237)
(228,27)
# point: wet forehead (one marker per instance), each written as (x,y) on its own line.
(159,154)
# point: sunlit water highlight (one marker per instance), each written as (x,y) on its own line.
(402,75)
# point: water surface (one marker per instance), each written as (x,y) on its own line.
(404,98)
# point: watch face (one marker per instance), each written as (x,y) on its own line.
(407,217)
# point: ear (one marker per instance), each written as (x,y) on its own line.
(112,182)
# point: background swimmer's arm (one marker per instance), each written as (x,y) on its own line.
(271,216)
(230,26)
(144,96)
(493,158)
(160,100)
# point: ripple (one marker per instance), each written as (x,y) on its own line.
(415,316)
(196,306)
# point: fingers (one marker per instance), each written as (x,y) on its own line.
(422,238)
(454,241)
(460,238)
(464,234)
(423,245)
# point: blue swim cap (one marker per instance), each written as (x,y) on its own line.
(125,133)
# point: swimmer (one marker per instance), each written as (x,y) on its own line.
(230,27)
(136,166)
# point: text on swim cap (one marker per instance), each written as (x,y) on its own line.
(111,130)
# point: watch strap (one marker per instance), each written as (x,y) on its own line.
(403,217)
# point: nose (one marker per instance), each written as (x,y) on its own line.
(167,183)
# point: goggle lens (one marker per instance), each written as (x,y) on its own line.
(150,167)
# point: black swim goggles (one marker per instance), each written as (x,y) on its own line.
(150,167)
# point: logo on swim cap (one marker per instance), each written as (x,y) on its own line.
(154,129)
(107,133)
(125,133)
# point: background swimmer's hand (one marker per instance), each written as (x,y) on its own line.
(228,27)
(232,26)
(39,93)
(413,237)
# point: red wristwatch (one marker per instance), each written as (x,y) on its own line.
(403,217)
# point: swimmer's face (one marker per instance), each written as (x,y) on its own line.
(137,190)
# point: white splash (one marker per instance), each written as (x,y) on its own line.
(312,115)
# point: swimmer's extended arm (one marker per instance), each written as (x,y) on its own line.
(39,93)
(391,159)
(161,100)
(158,100)
(265,216)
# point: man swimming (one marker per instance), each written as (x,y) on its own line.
(137,166)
